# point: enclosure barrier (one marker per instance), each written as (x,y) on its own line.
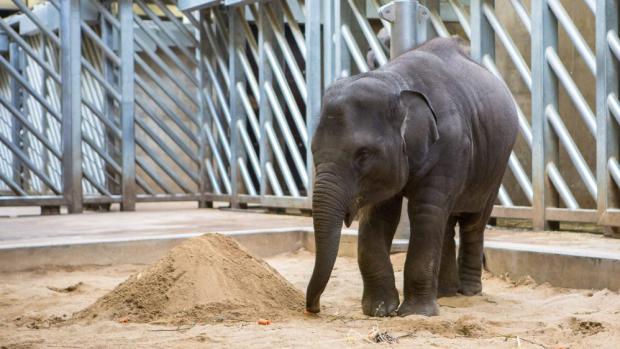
(133,100)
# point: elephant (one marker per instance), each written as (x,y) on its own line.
(435,127)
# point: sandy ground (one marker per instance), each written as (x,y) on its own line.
(509,314)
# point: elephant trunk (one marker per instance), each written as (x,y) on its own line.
(330,206)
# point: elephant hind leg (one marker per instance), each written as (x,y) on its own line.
(377,228)
(448,283)
(471,253)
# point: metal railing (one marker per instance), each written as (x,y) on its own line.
(137,100)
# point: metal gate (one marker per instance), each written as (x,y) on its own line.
(217,100)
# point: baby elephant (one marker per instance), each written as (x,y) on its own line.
(432,126)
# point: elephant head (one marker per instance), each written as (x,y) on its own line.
(361,158)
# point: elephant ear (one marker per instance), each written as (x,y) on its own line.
(419,126)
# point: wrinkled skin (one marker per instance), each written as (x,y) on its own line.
(432,126)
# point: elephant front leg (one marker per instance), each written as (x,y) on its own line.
(428,222)
(376,232)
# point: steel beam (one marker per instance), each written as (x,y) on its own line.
(70,47)
(313,81)
(544,94)
(128,143)
(608,130)
(236,76)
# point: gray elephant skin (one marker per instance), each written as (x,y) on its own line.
(435,127)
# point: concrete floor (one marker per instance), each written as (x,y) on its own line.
(576,260)
(169,219)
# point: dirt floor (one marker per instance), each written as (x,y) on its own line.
(35,306)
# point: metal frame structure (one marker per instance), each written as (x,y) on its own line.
(128,101)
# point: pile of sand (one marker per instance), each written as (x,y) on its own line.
(205,279)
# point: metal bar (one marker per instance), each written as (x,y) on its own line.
(155,177)
(571,88)
(614,170)
(128,143)
(607,106)
(215,50)
(561,186)
(181,143)
(438,25)
(298,35)
(24,158)
(522,14)
(165,49)
(249,149)
(249,111)
(167,150)
(166,31)
(265,75)
(571,149)
(461,15)
(329,58)
(53,38)
(503,197)
(71,102)
(614,42)
(614,106)
(278,31)
(12,185)
(35,94)
(247,181)
(281,159)
(521,177)
(24,45)
(544,93)
(482,35)
(357,55)
(166,90)
(369,34)
(573,33)
(313,80)
(16,103)
(218,161)
(286,132)
(273,180)
(23,121)
(164,166)
(236,77)
(249,74)
(511,48)
(278,73)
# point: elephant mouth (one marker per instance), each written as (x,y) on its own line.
(348,219)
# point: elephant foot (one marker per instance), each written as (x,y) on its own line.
(380,305)
(447,291)
(470,288)
(419,307)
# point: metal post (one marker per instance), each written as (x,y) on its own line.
(544,94)
(236,76)
(407,17)
(128,186)
(429,29)
(328,43)
(343,16)
(313,81)
(107,36)
(16,100)
(202,124)
(265,75)
(608,131)
(482,35)
(70,35)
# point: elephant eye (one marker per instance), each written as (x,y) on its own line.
(362,155)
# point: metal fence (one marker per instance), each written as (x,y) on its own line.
(133,100)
